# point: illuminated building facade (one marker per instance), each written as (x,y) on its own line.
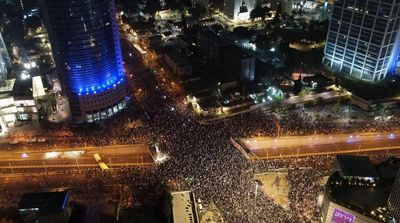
(363,38)
(394,199)
(238,9)
(45,207)
(86,48)
(5,61)
(359,192)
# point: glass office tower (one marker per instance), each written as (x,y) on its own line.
(363,38)
(86,48)
(5,61)
(394,199)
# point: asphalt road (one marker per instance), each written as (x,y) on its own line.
(311,97)
(46,160)
(298,146)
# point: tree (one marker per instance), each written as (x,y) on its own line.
(151,20)
(278,12)
(256,13)
(164,202)
(298,85)
(241,32)
(260,12)
(198,12)
(152,7)
(380,109)
(183,18)
(171,4)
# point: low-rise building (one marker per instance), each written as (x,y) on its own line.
(184,209)
(177,63)
(19,100)
(356,167)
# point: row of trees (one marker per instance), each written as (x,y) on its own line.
(262,12)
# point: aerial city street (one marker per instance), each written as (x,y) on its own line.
(199,111)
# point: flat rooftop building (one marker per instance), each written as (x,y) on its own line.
(356,167)
(394,199)
(184,207)
(45,207)
(352,196)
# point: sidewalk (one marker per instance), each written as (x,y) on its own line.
(299,100)
(25,131)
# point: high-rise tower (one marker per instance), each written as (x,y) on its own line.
(86,48)
(5,61)
(394,199)
(363,38)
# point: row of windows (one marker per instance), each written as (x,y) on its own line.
(360,46)
(355,69)
(362,18)
(380,8)
(360,52)
(378,25)
(357,58)
(350,41)
(104,114)
(101,102)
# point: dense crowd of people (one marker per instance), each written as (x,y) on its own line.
(202,159)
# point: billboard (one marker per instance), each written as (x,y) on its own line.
(340,216)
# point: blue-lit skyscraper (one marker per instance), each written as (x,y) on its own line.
(85,43)
(363,38)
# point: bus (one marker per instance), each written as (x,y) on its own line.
(99,161)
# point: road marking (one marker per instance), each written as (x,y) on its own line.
(74,165)
(326,153)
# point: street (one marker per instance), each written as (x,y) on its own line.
(317,145)
(48,160)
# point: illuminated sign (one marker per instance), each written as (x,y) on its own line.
(342,217)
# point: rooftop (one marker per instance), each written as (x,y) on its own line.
(362,196)
(142,25)
(209,103)
(8,86)
(236,51)
(22,88)
(214,36)
(356,166)
(45,202)
(184,210)
(177,58)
